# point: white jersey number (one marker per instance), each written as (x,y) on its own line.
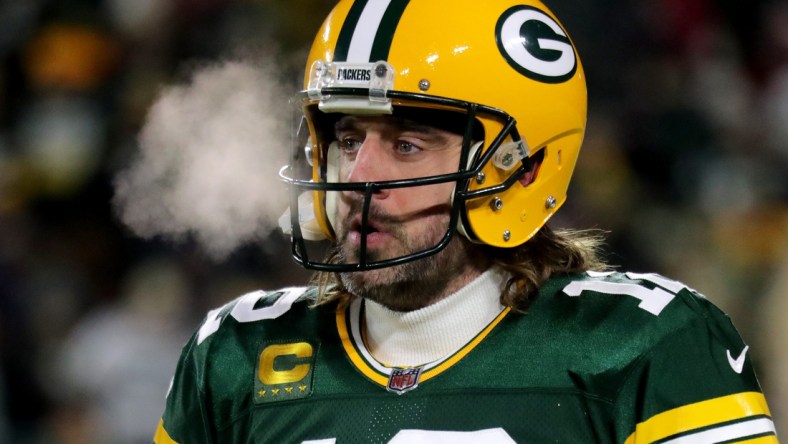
(488,436)
(244,310)
(653,300)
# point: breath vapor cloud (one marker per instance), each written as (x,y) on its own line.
(208,160)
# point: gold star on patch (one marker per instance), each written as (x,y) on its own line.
(302,388)
(274,392)
(289,389)
(261,393)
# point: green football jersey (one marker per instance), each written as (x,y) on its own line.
(599,357)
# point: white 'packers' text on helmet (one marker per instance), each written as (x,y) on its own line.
(504,74)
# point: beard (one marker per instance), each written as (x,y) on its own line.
(418,283)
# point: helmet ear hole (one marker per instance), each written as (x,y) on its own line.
(536,162)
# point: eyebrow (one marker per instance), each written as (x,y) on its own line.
(349,123)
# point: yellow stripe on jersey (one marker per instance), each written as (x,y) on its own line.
(350,350)
(700,415)
(467,349)
(161,436)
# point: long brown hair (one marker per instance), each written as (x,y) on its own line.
(550,252)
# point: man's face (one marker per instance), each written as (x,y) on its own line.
(401,221)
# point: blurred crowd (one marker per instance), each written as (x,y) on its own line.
(684,164)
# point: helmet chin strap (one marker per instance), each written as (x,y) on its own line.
(332,175)
(471,157)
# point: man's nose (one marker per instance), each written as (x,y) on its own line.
(370,165)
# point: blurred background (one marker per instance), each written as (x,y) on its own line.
(684,164)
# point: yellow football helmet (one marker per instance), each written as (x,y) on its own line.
(507,67)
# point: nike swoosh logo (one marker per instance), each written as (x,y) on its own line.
(738,364)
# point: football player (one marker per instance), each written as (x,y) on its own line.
(438,138)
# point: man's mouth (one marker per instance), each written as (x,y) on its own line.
(374,232)
(369,228)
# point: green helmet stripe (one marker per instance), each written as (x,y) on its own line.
(348,28)
(368,30)
(385,35)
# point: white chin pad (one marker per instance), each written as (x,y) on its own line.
(310,229)
(471,157)
(332,175)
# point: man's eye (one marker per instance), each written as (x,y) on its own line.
(406,148)
(349,145)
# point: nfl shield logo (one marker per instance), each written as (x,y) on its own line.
(403,380)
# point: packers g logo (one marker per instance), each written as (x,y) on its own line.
(284,371)
(535,45)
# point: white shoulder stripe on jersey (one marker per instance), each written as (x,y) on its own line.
(360,47)
(751,428)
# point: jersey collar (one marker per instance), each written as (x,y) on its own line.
(349,325)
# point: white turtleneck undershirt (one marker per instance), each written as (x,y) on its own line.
(421,336)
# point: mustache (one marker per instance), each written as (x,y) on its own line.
(381,220)
(375,214)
